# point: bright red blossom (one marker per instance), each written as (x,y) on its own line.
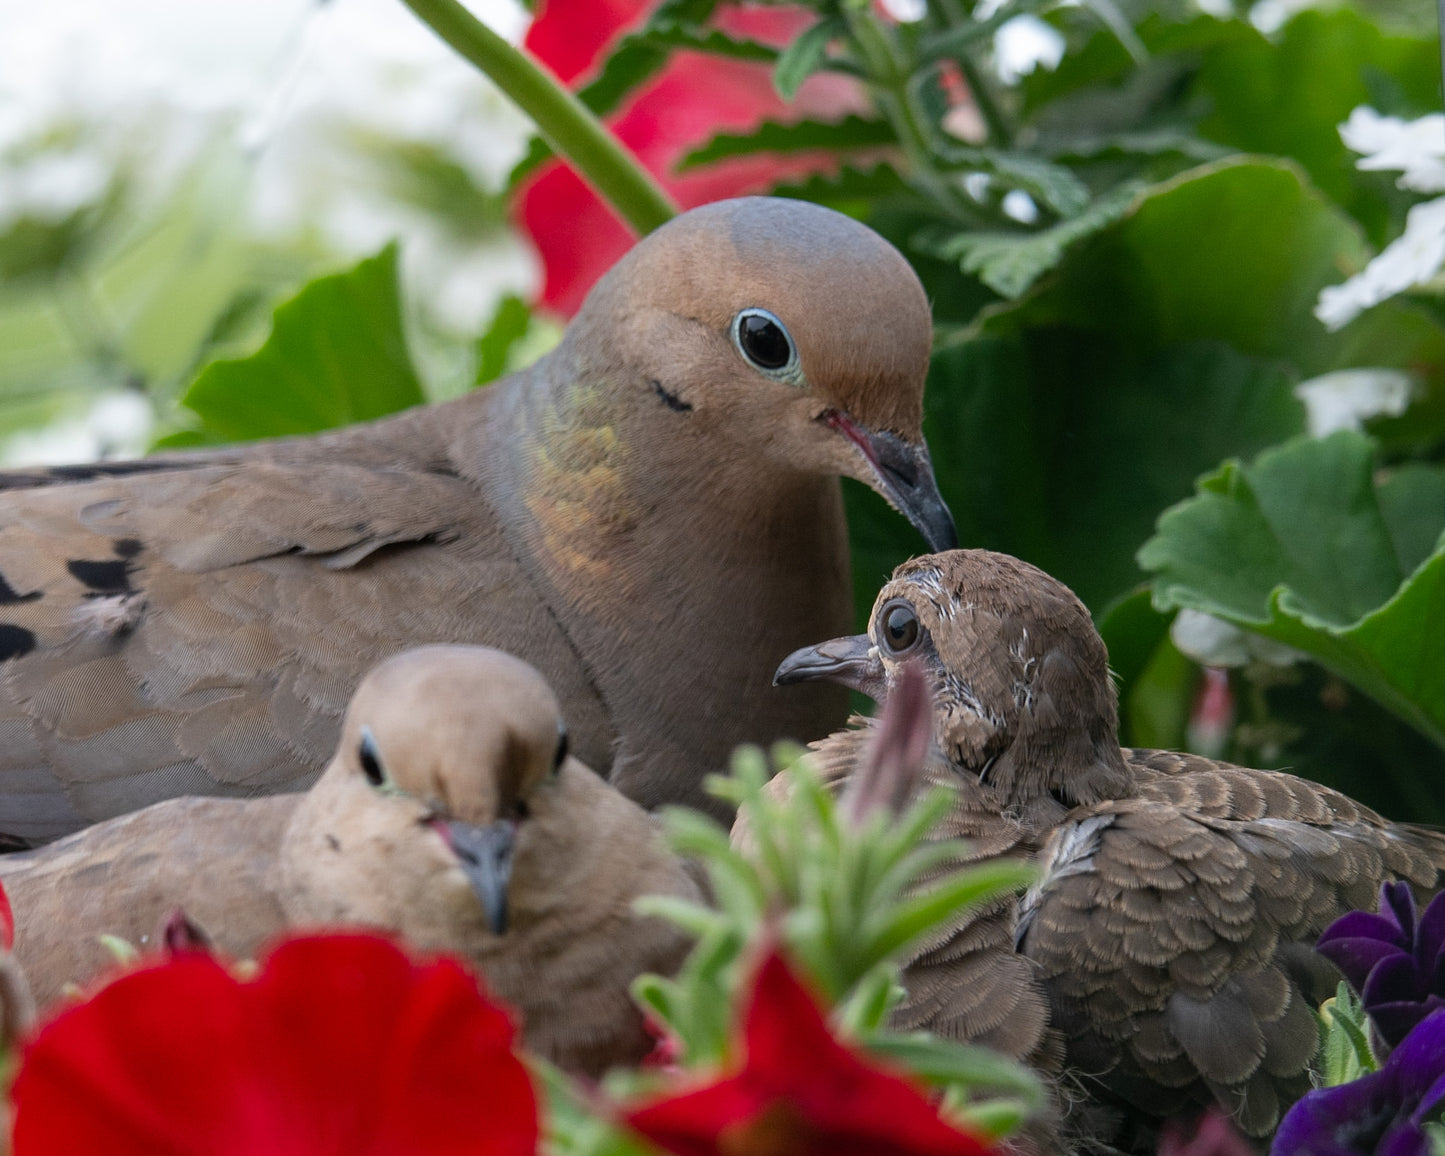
(7,922)
(341,1045)
(800,1092)
(694,98)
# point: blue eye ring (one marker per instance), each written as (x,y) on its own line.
(765,343)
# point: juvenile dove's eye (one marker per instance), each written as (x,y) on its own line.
(900,627)
(763,340)
(370,758)
(561,754)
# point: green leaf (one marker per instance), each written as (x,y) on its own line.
(940,1061)
(805,55)
(1010,263)
(921,914)
(852,132)
(1289,93)
(1051,185)
(1308,547)
(1344,1050)
(337,354)
(636,58)
(509,325)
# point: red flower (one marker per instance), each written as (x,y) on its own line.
(800,1092)
(7,922)
(340,1045)
(695,97)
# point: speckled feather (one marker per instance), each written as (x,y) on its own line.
(464,734)
(1171,933)
(643,515)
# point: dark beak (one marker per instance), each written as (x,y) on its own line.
(485,854)
(905,477)
(850,661)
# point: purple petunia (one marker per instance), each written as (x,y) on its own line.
(1382,1113)
(1396,963)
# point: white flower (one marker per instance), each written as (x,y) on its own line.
(906,11)
(1345,398)
(1211,641)
(1414,148)
(1411,259)
(1022,44)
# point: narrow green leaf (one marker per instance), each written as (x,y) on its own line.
(917,916)
(852,132)
(940,1061)
(693,918)
(805,56)
(995,1118)
(509,326)
(337,354)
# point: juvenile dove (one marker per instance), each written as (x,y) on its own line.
(1173,927)
(650,514)
(451,815)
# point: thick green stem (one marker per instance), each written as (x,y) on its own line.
(566,124)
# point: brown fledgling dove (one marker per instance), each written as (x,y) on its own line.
(650,514)
(451,815)
(1173,928)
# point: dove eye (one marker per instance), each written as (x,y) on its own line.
(561,754)
(898,627)
(764,341)
(370,758)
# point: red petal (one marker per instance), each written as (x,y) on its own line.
(694,98)
(692,1123)
(341,1045)
(7,922)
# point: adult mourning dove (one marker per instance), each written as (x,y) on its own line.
(650,514)
(1173,927)
(451,815)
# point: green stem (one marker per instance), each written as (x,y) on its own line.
(563,120)
(1000,132)
(888,79)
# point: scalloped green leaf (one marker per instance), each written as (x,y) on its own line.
(1307,546)
(337,354)
(852,132)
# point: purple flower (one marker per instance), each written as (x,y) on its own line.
(1396,964)
(1382,1113)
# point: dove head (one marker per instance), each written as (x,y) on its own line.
(448,754)
(788,332)
(1022,693)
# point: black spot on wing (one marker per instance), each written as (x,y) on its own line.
(9,596)
(127,547)
(15,641)
(103,578)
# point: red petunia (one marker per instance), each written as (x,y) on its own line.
(341,1045)
(7,922)
(800,1091)
(695,97)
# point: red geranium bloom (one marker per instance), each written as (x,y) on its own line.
(800,1092)
(341,1045)
(7,922)
(695,97)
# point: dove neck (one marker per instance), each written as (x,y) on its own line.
(675,545)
